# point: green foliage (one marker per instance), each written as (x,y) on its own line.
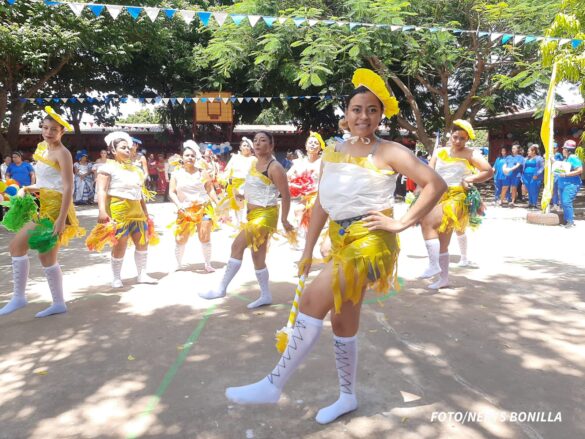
(142,116)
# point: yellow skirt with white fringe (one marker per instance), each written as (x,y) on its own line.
(232,190)
(50,201)
(364,259)
(455,210)
(261,225)
(188,219)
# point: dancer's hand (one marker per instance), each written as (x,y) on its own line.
(103,217)
(21,192)
(379,221)
(59,226)
(305,263)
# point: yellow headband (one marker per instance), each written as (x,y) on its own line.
(318,137)
(465,126)
(373,82)
(58,118)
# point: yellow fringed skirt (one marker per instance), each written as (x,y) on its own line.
(364,259)
(261,225)
(187,220)
(455,210)
(309,202)
(232,190)
(130,219)
(50,201)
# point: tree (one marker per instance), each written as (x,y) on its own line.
(437,76)
(142,116)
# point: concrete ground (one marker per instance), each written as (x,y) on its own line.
(153,361)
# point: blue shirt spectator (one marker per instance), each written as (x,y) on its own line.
(20,171)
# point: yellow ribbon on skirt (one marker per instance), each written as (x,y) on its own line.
(51,208)
(232,190)
(261,225)
(130,219)
(364,259)
(187,219)
(455,210)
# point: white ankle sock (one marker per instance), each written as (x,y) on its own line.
(116,264)
(141,259)
(232,267)
(55,280)
(179,253)
(265,295)
(444,278)
(433,268)
(346,362)
(20,269)
(462,240)
(206,250)
(267,391)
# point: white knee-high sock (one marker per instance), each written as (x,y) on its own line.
(433,248)
(179,253)
(116,264)
(141,259)
(346,356)
(55,280)
(265,295)
(462,240)
(206,250)
(267,391)
(20,269)
(232,267)
(444,278)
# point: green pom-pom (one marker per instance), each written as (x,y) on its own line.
(41,238)
(21,210)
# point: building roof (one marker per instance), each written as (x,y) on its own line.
(528,114)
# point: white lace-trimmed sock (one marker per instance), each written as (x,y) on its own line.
(116,264)
(55,280)
(444,278)
(141,259)
(179,253)
(433,268)
(265,295)
(232,267)
(267,391)
(206,250)
(20,269)
(462,240)
(346,356)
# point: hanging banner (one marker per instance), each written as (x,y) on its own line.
(547,137)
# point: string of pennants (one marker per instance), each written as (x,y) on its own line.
(173,100)
(221,18)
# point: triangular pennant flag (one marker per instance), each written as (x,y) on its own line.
(170,13)
(262,99)
(574,43)
(195,100)
(352,25)
(73,100)
(124,99)
(114,10)
(188,100)
(39,101)
(328,22)
(225,100)
(134,11)
(77,8)
(180,100)
(31,100)
(456,31)
(237,18)
(253,19)
(141,100)
(301,98)
(188,16)
(165,100)
(432,29)
(395,28)
(341,23)
(518,39)
(495,36)
(240,100)
(309,97)
(220,17)
(530,39)
(248,99)
(96,9)
(23,100)
(255,99)
(152,13)
(149,100)
(282,20)
(64,100)
(204,17)
(11,2)
(269,98)
(56,100)
(203,100)
(51,3)
(483,34)
(233,99)
(563,41)
(313,22)
(506,38)
(407,28)
(174,101)
(82,100)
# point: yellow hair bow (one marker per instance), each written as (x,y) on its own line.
(465,126)
(318,137)
(373,82)
(58,118)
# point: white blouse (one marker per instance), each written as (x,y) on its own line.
(125,180)
(452,169)
(190,187)
(239,166)
(259,189)
(48,177)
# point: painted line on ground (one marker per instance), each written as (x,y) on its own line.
(170,375)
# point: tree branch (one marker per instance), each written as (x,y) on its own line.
(33,89)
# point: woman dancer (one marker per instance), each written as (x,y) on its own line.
(235,173)
(263,184)
(120,187)
(460,167)
(83,193)
(192,193)
(54,171)
(356,192)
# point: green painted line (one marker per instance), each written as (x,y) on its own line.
(239,296)
(168,378)
(385,297)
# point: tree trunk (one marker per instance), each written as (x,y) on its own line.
(16,113)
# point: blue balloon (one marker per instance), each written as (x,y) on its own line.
(11,190)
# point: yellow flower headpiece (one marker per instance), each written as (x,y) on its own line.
(58,118)
(465,126)
(373,82)
(318,137)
